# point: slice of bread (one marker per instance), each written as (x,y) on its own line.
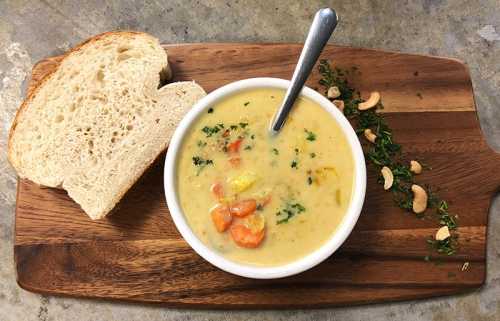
(96,123)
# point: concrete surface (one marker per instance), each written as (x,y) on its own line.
(31,30)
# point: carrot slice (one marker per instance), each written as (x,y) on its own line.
(221,217)
(234,147)
(244,237)
(243,208)
(218,190)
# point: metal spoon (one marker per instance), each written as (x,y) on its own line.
(321,29)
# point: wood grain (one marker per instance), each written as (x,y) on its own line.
(137,254)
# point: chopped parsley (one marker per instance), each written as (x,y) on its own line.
(198,161)
(252,136)
(445,218)
(243,125)
(296,150)
(210,131)
(309,180)
(288,211)
(210,110)
(246,103)
(275,151)
(201,163)
(233,127)
(447,247)
(247,147)
(310,135)
(294,164)
(312,155)
(201,143)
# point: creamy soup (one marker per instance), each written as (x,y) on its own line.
(264,200)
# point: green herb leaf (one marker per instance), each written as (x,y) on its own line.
(210,131)
(201,163)
(289,211)
(447,247)
(310,135)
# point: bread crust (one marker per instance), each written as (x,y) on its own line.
(31,95)
(48,76)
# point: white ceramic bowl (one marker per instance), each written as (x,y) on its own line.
(250,271)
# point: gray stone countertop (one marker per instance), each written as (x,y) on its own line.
(31,30)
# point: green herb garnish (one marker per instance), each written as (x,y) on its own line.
(201,143)
(310,135)
(312,155)
(246,103)
(210,110)
(243,125)
(247,147)
(290,210)
(210,131)
(445,218)
(201,163)
(447,247)
(309,180)
(294,164)
(275,151)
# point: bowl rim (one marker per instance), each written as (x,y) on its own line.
(252,271)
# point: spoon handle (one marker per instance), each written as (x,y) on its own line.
(321,29)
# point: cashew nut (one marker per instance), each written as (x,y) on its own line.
(415,167)
(371,102)
(388,177)
(340,104)
(419,199)
(333,92)
(370,136)
(442,234)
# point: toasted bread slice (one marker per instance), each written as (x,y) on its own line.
(96,123)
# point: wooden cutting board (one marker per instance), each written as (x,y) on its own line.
(137,254)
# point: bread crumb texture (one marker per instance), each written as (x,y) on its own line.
(94,125)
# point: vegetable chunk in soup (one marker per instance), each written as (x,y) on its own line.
(264,200)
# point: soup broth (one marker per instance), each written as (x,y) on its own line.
(264,200)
